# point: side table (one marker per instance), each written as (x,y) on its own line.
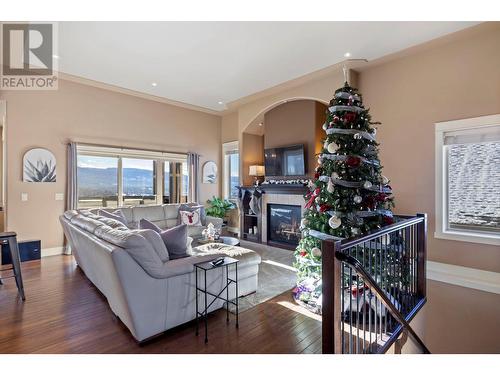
(206,267)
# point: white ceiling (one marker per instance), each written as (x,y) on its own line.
(204,63)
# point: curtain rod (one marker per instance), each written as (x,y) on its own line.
(126,148)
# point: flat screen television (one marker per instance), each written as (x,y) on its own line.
(285,161)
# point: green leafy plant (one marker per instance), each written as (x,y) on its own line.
(219,207)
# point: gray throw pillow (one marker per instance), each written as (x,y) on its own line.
(117,215)
(146,224)
(192,207)
(175,240)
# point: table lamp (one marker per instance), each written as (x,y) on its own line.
(257,172)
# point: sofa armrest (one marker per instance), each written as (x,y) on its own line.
(216,221)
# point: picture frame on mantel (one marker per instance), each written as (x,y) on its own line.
(209,172)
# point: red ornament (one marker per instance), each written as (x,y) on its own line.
(353,161)
(370,202)
(316,175)
(388,220)
(303,253)
(349,117)
(381,197)
(323,207)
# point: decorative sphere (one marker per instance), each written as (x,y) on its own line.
(367,185)
(355,231)
(325,126)
(334,222)
(357,136)
(335,175)
(357,199)
(332,147)
(317,199)
(385,180)
(316,252)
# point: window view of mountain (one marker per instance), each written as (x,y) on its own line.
(99,182)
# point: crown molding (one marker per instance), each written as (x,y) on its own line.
(138,94)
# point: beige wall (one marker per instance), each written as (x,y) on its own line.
(452,80)
(87,114)
(295,123)
(229,127)
(251,153)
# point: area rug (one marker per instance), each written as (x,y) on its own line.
(276,275)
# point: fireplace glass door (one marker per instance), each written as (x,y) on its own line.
(283,224)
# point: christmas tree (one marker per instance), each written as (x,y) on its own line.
(348,196)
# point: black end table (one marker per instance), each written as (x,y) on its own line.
(206,267)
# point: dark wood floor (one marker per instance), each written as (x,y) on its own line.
(64,313)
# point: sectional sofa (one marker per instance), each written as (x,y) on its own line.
(148,293)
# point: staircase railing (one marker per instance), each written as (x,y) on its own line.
(373,286)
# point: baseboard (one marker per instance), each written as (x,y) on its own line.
(464,276)
(48,252)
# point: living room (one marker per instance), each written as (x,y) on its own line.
(205,198)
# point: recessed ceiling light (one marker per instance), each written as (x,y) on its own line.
(347,54)
(55,56)
(220,102)
(154,84)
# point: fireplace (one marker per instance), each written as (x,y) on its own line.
(283,222)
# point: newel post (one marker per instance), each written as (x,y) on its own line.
(422,255)
(331,289)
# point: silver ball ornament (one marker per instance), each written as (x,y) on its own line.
(332,148)
(316,252)
(357,199)
(367,185)
(334,222)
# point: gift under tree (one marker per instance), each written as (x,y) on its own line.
(348,196)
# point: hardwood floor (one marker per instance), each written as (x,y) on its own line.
(64,313)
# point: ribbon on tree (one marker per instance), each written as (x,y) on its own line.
(347,108)
(311,196)
(348,157)
(363,134)
(362,213)
(347,95)
(356,184)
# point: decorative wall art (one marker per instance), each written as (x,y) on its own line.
(209,173)
(39,165)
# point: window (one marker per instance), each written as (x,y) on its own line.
(138,181)
(176,182)
(112,177)
(97,178)
(231,170)
(468,180)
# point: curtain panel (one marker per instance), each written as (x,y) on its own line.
(193,162)
(71,185)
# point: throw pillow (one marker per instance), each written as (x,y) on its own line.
(175,240)
(191,218)
(117,215)
(146,224)
(192,207)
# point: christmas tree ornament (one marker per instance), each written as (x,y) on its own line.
(325,145)
(316,251)
(317,199)
(355,231)
(367,185)
(325,126)
(332,147)
(357,136)
(330,186)
(334,222)
(384,180)
(357,199)
(335,175)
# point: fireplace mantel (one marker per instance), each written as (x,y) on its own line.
(298,189)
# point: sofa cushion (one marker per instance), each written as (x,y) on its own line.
(191,218)
(116,215)
(190,207)
(171,212)
(86,223)
(175,240)
(155,214)
(195,232)
(146,224)
(115,224)
(156,241)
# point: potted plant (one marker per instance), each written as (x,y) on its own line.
(219,207)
